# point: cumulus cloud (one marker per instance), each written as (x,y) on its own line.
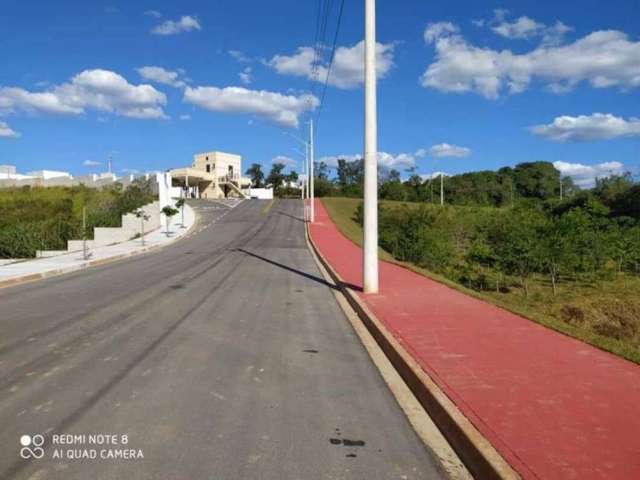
(585,175)
(160,75)
(286,161)
(583,128)
(185,116)
(100,90)
(91,163)
(245,76)
(523,27)
(348,64)
(186,23)
(153,13)
(442,150)
(7,132)
(282,109)
(437,30)
(604,58)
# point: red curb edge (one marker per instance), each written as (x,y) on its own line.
(475,451)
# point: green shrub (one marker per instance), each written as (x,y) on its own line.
(46,218)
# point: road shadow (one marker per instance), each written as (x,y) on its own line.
(290,216)
(296,271)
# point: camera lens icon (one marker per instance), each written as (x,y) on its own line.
(32,446)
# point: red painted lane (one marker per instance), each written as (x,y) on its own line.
(555,408)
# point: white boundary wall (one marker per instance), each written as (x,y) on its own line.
(261,193)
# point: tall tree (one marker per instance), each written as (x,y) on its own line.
(321,170)
(292,178)
(276,178)
(537,180)
(256,174)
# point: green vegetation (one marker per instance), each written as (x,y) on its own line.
(532,180)
(572,265)
(283,184)
(256,174)
(45,218)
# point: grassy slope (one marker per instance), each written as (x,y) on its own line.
(541,307)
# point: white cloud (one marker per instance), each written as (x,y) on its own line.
(100,90)
(585,175)
(523,27)
(603,58)
(153,13)
(348,64)
(185,116)
(91,163)
(598,126)
(7,132)
(401,160)
(239,56)
(446,150)
(281,109)
(437,30)
(245,76)
(160,75)
(186,23)
(286,161)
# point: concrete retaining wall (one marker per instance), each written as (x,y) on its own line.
(130,227)
(109,235)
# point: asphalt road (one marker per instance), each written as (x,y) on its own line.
(223,356)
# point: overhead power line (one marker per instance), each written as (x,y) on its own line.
(331,58)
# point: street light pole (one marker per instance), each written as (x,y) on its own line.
(306,164)
(370,251)
(311,183)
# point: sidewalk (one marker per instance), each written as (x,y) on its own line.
(554,407)
(33,269)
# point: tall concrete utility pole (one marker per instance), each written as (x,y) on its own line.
(302,178)
(441,188)
(370,251)
(311,160)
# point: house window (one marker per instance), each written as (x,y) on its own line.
(208,168)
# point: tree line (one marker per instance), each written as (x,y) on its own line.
(590,236)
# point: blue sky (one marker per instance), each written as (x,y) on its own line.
(463,85)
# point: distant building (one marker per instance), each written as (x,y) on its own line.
(48,174)
(212,175)
(8,169)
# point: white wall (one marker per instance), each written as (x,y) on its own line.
(262,193)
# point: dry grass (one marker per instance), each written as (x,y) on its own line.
(604,314)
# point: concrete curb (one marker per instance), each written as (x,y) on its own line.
(32,277)
(477,453)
